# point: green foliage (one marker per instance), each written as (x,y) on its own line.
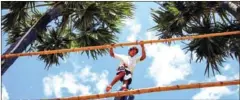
(53,41)
(92,39)
(200,18)
(81,24)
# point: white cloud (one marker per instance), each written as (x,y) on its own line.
(214,93)
(73,86)
(101,80)
(47,86)
(86,75)
(134,28)
(221,78)
(55,83)
(169,64)
(192,81)
(4,93)
(226,67)
(236,76)
(102,83)
(75,65)
(75,82)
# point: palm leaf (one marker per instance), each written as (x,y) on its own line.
(17,14)
(80,24)
(53,41)
(198,18)
(96,37)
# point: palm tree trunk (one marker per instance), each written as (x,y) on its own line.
(31,35)
(232,9)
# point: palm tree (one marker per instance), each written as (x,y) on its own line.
(232,7)
(188,18)
(64,25)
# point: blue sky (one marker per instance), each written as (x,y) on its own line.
(79,75)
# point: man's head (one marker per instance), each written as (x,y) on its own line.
(132,51)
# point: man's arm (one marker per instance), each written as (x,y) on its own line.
(111,52)
(143,51)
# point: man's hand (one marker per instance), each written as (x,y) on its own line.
(141,43)
(111,50)
(143,51)
(112,45)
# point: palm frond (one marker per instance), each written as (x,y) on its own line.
(6,4)
(52,41)
(96,37)
(17,15)
(198,18)
(80,24)
(214,50)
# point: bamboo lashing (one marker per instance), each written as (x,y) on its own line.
(116,45)
(153,89)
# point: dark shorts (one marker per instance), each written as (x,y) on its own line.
(127,76)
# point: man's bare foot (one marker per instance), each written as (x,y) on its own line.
(108,88)
(124,88)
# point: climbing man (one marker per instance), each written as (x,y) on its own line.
(126,67)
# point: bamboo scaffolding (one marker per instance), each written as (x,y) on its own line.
(153,89)
(116,45)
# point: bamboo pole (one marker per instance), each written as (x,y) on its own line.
(117,45)
(153,89)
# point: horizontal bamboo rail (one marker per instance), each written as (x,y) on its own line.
(116,45)
(153,89)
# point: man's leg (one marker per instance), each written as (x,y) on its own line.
(125,85)
(117,78)
(127,80)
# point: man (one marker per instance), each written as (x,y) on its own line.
(126,67)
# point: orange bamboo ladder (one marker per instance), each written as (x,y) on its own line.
(119,44)
(153,89)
